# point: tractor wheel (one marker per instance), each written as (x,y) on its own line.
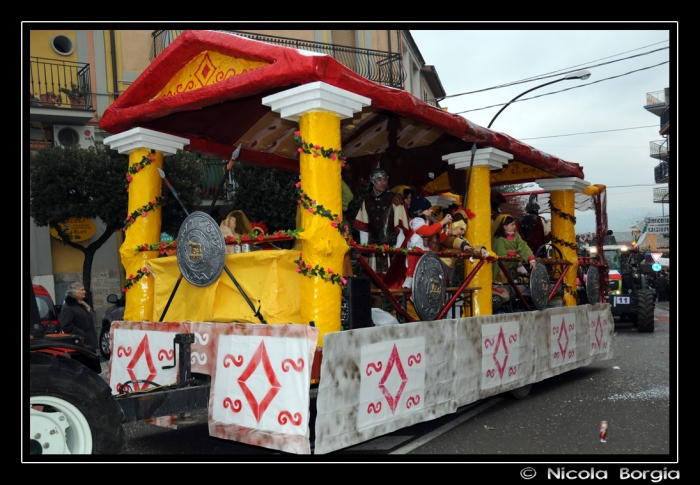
(645,311)
(72,410)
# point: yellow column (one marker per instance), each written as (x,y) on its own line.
(479,234)
(145,187)
(563,206)
(321,242)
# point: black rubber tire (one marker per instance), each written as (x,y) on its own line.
(67,380)
(105,349)
(521,392)
(645,311)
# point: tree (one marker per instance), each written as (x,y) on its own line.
(275,206)
(68,182)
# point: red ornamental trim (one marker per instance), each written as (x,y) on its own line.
(123,351)
(234,406)
(286,363)
(371,365)
(414,359)
(237,361)
(285,416)
(413,401)
(163,354)
(374,408)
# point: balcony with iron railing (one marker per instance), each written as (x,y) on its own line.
(658,149)
(661,173)
(661,195)
(656,102)
(47,77)
(665,118)
(382,67)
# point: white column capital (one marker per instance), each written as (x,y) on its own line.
(317,96)
(563,183)
(492,157)
(128,141)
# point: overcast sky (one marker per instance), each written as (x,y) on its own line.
(611,102)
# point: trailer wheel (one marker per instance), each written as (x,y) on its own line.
(645,311)
(521,392)
(72,410)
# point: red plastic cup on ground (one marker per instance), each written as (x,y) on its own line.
(603,434)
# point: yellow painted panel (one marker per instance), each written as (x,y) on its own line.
(268,278)
(206,69)
(515,171)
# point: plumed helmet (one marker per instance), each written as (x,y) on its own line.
(418,205)
(532,206)
(377,173)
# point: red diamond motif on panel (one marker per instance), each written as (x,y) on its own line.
(260,357)
(501,340)
(598,332)
(565,344)
(394,360)
(143,350)
(205,70)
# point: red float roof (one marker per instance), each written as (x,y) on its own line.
(217,113)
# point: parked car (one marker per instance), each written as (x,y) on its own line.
(115,312)
(47,310)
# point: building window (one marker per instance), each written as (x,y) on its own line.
(62,44)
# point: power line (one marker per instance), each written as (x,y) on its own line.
(555,73)
(590,132)
(567,89)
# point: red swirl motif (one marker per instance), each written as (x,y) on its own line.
(235,406)
(163,354)
(377,367)
(237,361)
(414,359)
(285,416)
(122,351)
(374,408)
(413,401)
(289,362)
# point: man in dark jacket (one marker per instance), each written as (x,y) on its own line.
(662,287)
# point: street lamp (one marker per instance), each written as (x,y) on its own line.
(582,74)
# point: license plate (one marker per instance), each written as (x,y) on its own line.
(622,300)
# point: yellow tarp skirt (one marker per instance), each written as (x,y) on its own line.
(268,278)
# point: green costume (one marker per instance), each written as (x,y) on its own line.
(517,246)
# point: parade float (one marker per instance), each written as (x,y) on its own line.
(257,337)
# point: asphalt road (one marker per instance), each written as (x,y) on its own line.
(561,417)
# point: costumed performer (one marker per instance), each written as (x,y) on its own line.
(421,233)
(382,218)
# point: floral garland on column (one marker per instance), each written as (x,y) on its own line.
(567,216)
(131,280)
(157,202)
(142,211)
(328,275)
(316,150)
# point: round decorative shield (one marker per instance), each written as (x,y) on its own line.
(201,249)
(593,285)
(539,286)
(429,287)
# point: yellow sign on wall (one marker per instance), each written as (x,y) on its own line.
(77,228)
